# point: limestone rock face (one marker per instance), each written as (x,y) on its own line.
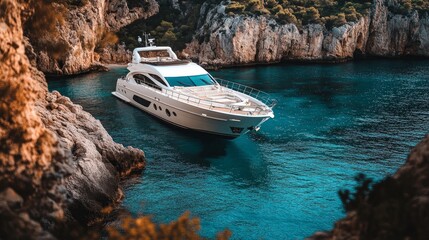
(97,161)
(115,55)
(58,165)
(235,40)
(397,35)
(81,34)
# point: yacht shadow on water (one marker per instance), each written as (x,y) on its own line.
(240,159)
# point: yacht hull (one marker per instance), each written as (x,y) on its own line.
(187,115)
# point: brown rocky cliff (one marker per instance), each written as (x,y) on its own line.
(80,33)
(29,154)
(234,40)
(58,165)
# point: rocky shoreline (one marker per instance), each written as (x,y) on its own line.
(59,167)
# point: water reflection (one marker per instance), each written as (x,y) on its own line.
(235,158)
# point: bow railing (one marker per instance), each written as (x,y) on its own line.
(253,92)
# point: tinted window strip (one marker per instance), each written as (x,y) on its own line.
(141,101)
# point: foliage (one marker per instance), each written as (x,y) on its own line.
(286,16)
(170,26)
(407,6)
(303,12)
(329,12)
(393,208)
(351,201)
(144,228)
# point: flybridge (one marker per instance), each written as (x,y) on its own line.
(153,54)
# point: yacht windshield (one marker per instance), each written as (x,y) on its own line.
(191,81)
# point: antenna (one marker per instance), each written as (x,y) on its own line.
(148,41)
(151,41)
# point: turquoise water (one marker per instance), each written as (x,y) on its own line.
(332,122)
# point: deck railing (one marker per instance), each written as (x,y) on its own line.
(261,96)
(253,92)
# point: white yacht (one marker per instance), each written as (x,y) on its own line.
(184,94)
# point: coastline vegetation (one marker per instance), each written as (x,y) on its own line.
(331,13)
(175,26)
(405,7)
(386,207)
(304,12)
(170,26)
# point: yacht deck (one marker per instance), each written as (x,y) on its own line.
(220,99)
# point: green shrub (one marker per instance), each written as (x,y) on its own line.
(286,16)
(330,12)
(352,201)
(167,26)
(168,37)
(330,21)
(235,7)
(341,19)
(311,15)
(180,25)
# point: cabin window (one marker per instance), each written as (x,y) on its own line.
(167,112)
(142,79)
(141,101)
(158,78)
(191,81)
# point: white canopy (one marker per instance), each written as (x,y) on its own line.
(189,69)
